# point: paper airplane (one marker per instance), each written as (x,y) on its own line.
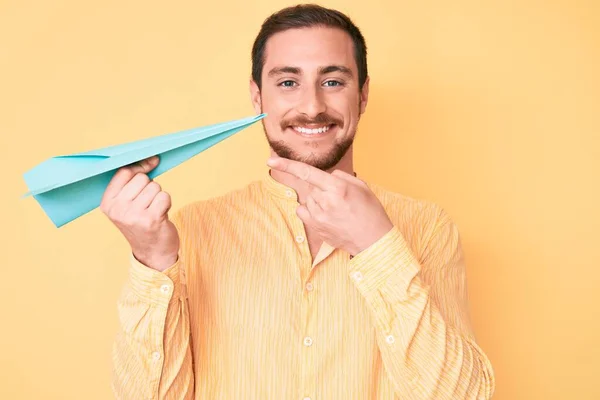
(67,187)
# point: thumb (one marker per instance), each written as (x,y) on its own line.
(145,165)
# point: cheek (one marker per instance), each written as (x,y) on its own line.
(273,124)
(344,105)
(281,102)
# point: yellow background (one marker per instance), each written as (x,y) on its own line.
(490,108)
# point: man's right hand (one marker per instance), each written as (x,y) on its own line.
(139,209)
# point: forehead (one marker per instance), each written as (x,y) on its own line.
(309,48)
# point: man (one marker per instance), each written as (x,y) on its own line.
(309,283)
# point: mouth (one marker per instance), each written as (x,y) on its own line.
(314,131)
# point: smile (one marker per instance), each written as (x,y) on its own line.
(312,131)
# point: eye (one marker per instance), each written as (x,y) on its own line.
(287,83)
(333,83)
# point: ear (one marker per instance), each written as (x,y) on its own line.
(255,96)
(364,96)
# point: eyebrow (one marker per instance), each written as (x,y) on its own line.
(285,70)
(322,70)
(335,68)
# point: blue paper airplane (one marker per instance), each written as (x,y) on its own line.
(67,187)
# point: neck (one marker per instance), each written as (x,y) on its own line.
(302,187)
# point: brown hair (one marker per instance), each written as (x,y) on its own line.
(306,16)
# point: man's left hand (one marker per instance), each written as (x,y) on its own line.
(339,207)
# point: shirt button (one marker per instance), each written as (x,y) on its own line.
(289,193)
(156,356)
(390,339)
(309,287)
(357,276)
(299,239)
(308,341)
(165,288)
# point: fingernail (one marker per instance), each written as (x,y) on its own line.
(272,161)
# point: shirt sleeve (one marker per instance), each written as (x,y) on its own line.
(423,329)
(151,357)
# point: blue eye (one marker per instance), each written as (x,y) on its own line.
(333,83)
(287,83)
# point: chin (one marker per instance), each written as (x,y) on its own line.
(322,160)
(322,163)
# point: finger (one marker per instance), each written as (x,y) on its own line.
(313,207)
(134,187)
(320,197)
(125,174)
(308,173)
(161,204)
(146,196)
(304,215)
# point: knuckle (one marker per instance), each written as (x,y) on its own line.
(124,218)
(326,205)
(114,217)
(167,200)
(166,196)
(341,185)
(111,210)
(305,173)
(319,217)
(125,173)
(144,164)
(147,223)
(121,172)
(142,177)
(154,186)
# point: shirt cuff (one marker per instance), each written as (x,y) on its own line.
(155,287)
(390,255)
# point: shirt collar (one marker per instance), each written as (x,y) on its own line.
(280,190)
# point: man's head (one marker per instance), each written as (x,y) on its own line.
(309,74)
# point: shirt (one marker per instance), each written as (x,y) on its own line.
(246,313)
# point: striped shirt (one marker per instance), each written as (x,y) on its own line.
(247,313)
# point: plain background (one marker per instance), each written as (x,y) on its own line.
(490,109)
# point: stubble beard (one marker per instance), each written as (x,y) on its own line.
(323,162)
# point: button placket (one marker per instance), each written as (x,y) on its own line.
(308,341)
(307,351)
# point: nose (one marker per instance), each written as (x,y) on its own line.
(312,103)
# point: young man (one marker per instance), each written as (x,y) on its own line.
(309,283)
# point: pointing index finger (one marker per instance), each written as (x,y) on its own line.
(308,173)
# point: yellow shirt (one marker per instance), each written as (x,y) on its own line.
(246,313)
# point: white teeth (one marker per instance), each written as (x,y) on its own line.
(311,131)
